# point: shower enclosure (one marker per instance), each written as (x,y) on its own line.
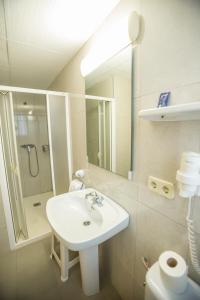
(35,158)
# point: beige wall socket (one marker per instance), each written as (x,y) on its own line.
(161,187)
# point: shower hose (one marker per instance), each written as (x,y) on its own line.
(29,162)
(191,237)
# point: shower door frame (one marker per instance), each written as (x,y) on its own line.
(17,176)
(68,138)
(3,180)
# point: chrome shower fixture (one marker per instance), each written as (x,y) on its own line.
(28,147)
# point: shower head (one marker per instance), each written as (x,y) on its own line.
(28,147)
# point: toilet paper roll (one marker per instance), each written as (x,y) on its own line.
(173,271)
(76,185)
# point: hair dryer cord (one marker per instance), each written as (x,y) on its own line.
(192,238)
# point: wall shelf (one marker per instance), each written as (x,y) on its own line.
(181,112)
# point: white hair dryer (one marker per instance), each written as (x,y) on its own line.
(188,178)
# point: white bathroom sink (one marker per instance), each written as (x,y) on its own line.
(82,220)
(68,212)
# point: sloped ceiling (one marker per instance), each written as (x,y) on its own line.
(39,37)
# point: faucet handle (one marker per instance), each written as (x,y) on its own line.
(91,194)
(99,200)
(94,198)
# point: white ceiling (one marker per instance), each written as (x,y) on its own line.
(39,37)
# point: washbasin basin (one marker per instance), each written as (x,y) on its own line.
(82,220)
(81,225)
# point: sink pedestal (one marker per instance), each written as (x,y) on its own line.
(89,261)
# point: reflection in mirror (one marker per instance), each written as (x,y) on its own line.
(98,133)
(109,119)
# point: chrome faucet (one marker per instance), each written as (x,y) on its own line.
(96,199)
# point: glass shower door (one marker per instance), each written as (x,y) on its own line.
(57,125)
(8,138)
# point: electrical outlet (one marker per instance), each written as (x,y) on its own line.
(162,187)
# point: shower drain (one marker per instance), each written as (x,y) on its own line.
(86,223)
(36,204)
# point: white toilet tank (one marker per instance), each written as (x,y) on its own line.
(156,290)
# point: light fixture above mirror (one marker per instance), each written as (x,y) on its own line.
(111,41)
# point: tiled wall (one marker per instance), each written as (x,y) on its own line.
(167,59)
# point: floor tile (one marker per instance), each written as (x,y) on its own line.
(8,277)
(29,274)
(36,215)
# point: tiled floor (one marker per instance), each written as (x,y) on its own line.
(37,223)
(29,274)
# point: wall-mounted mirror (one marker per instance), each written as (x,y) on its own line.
(108,114)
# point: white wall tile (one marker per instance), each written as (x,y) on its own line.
(170,47)
(175,209)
